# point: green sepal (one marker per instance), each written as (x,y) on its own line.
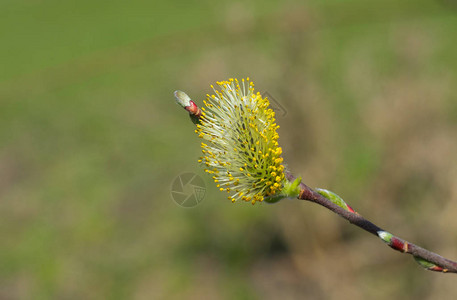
(333,197)
(290,190)
(274,199)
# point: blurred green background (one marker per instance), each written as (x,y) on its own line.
(91,141)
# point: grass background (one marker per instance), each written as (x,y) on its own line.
(91,141)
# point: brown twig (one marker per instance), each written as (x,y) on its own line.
(440,264)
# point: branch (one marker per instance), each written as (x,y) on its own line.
(427,259)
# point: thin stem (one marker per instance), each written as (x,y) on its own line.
(440,263)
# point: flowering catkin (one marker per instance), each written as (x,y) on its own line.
(242,153)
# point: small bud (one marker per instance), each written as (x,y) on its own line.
(385,236)
(182,99)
